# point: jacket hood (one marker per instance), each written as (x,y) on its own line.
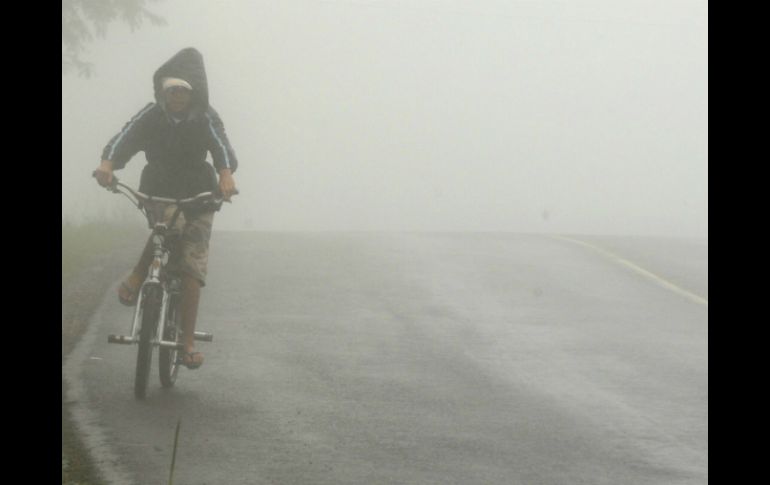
(187,64)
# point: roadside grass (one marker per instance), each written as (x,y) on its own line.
(89,265)
(87,242)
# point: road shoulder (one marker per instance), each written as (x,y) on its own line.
(83,288)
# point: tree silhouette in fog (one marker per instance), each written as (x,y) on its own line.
(82,20)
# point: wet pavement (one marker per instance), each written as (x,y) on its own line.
(369,358)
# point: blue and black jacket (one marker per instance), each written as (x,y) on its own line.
(176,150)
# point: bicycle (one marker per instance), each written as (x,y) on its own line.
(157,317)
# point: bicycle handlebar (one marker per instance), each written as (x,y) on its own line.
(113,187)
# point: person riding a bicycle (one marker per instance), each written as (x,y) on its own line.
(176,132)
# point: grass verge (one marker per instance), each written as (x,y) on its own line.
(94,256)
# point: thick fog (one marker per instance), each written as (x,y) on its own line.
(579,116)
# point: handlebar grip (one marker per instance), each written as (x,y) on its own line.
(218,192)
(113,185)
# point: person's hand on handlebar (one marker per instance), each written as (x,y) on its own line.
(227,184)
(103,173)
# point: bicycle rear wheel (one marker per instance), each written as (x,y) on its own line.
(150,313)
(168,359)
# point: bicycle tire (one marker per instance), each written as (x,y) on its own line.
(168,359)
(150,312)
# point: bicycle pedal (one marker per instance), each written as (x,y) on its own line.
(204,337)
(120,339)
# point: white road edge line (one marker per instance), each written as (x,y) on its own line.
(658,279)
(106,460)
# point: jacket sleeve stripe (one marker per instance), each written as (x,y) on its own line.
(219,140)
(126,129)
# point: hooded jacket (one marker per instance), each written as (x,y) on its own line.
(176,150)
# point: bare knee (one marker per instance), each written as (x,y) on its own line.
(190,283)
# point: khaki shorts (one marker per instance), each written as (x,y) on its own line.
(191,255)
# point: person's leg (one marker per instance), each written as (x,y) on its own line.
(141,268)
(194,262)
(191,291)
(127,290)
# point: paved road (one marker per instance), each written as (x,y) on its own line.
(419,359)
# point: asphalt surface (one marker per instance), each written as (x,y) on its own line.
(418,359)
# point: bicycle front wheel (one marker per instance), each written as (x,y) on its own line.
(150,313)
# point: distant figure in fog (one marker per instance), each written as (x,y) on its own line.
(175,133)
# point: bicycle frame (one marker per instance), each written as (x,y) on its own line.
(160,258)
(156,275)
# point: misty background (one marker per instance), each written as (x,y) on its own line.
(579,116)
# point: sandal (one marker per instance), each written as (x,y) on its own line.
(191,364)
(127,295)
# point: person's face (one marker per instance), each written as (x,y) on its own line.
(177,99)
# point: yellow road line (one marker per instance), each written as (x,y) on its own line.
(658,279)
